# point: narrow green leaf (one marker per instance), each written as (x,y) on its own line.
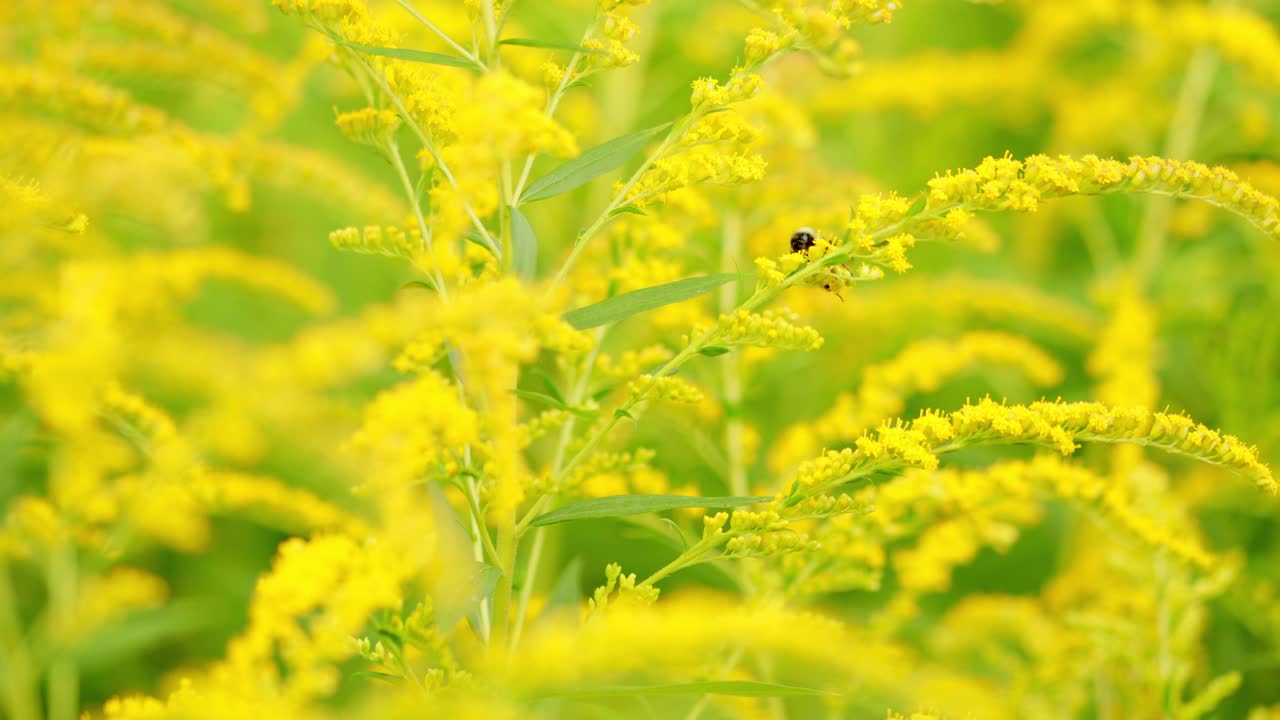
(628,210)
(590,164)
(620,413)
(549,45)
(622,505)
(475,237)
(567,590)
(549,383)
(836,259)
(675,529)
(418,283)
(524,246)
(736,688)
(540,397)
(378,675)
(603,392)
(918,206)
(713,350)
(644,299)
(422,56)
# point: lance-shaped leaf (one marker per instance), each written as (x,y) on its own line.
(422,56)
(524,246)
(590,165)
(622,505)
(549,45)
(638,301)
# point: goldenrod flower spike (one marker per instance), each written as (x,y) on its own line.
(1058,425)
(1009,184)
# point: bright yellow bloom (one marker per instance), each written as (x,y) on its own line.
(1055,424)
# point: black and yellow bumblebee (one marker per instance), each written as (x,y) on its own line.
(834,278)
(803,239)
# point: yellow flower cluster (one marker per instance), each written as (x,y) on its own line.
(709,94)
(609,50)
(610,473)
(763,534)
(697,165)
(666,387)
(771,329)
(1009,184)
(121,590)
(820,27)
(368,126)
(318,594)
(619,591)
(1056,424)
(222,491)
(672,638)
(376,239)
(102,108)
(631,363)
(416,430)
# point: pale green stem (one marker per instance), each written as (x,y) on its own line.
(1099,240)
(63,677)
(501,623)
(489,552)
(393,153)
(1179,143)
(577,392)
(490,31)
(17,681)
(526,589)
(694,555)
(441,34)
(731,363)
(1164,632)
(481,548)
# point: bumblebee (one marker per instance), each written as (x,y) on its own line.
(802,240)
(806,237)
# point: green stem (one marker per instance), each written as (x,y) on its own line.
(731,363)
(1179,143)
(477,517)
(501,622)
(18,681)
(526,587)
(64,678)
(441,34)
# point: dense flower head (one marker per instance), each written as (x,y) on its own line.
(1057,425)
